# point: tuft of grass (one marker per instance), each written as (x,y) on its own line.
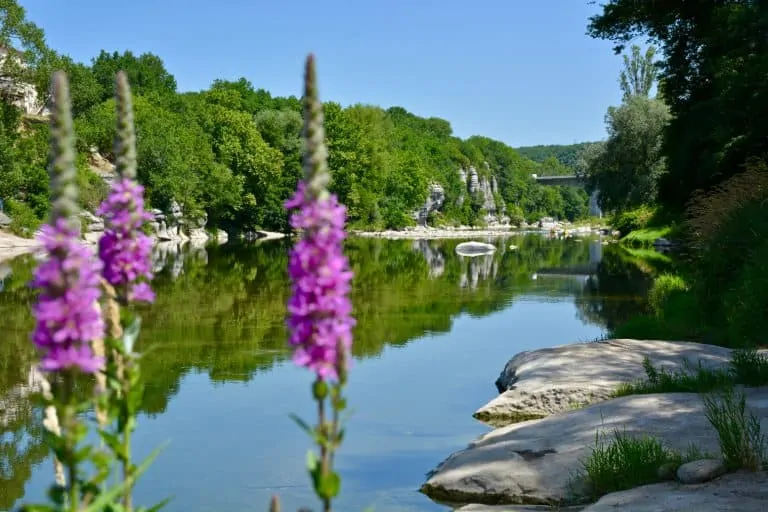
(624,462)
(646,236)
(750,368)
(687,380)
(742,443)
(747,367)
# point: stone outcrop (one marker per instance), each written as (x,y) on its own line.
(538,383)
(483,187)
(167,226)
(539,462)
(434,202)
(22,95)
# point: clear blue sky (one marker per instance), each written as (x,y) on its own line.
(521,71)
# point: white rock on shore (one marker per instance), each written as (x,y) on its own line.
(538,383)
(533,462)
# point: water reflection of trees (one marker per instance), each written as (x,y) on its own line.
(221,311)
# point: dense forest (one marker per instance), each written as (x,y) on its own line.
(231,153)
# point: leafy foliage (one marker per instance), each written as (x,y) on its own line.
(232,152)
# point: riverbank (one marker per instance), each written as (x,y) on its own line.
(12,246)
(580,423)
(428,232)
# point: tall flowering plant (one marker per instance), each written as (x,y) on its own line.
(84,325)
(320,321)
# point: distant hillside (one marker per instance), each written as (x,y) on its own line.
(566,154)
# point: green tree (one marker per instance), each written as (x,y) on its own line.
(628,169)
(639,73)
(712,77)
(25,41)
(174,155)
(146,74)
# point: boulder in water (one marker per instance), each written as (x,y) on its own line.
(474,249)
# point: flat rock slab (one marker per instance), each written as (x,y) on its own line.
(538,383)
(737,492)
(533,462)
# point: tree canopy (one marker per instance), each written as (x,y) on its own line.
(232,152)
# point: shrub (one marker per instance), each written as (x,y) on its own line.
(662,289)
(727,227)
(632,220)
(24,222)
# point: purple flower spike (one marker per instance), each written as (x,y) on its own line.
(67,314)
(319,309)
(125,250)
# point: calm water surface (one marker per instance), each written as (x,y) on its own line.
(434,331)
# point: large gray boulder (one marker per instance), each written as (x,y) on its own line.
(535,462)
(538,383)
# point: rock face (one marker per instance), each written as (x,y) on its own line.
(5,221)
(538,383)
(482,187)
(23,95)
(434,201)
(538,462)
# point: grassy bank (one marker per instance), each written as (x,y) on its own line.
(718,292)
(621,461)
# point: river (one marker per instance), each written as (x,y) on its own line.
(434,329)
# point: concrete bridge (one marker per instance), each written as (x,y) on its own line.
(572,181)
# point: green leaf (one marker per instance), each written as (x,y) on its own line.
(130,334)
(113,443)
(108,497)
(330,485)
(312,462)
(157,507)
(303,425)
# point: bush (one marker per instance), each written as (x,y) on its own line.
(663,288)
(727,228)
(632,220)
(674,314)
(24,222)
(745,303)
